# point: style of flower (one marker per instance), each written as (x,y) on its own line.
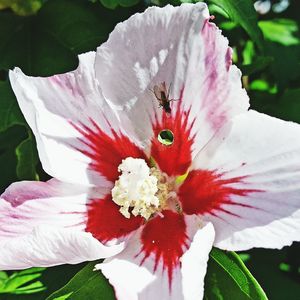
(151,189)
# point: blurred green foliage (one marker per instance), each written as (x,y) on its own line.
(22,7)
(112,4)
(45,37)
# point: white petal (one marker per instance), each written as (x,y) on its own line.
(194,263)
(134,281)
(176,45)
(49,246)
(264,152)
(42,224)
(52,106)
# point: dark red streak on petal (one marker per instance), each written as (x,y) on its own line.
(105,222)
(107,152)
(176,158)
(166,239)
(205,191)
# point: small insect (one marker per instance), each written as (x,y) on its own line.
(162,94)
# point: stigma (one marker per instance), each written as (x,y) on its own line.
(139,189)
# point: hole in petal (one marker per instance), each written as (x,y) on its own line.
(175,159)
(166,137)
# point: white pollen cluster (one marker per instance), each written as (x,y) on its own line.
(135,189)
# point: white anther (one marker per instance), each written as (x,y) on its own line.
(136,189)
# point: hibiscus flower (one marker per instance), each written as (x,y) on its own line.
(155,158)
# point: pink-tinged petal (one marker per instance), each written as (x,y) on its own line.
(106,223)
(48,246)
(55,107)
(178,46)
(264,153)
(174,159)
(43,224)
(25,205)
(135,278)
(22,191)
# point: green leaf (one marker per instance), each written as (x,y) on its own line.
(23,282)
(10,113)
(243,12)
(281,31)
(86,284)
(3,278)
(228,278)
(27,159)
